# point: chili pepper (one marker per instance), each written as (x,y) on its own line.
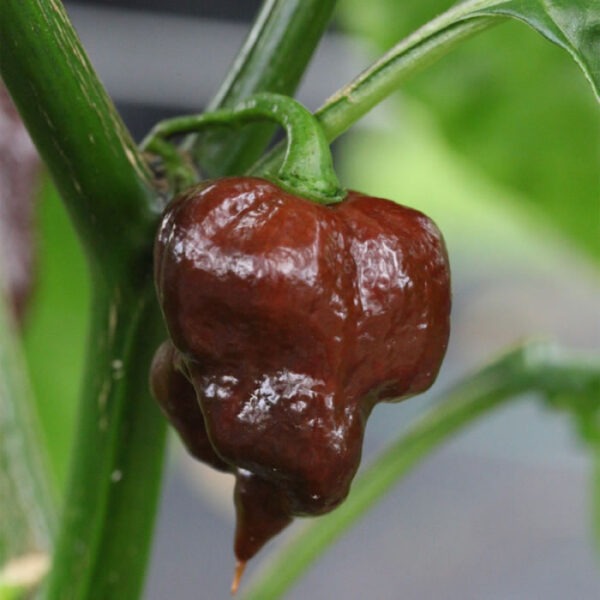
(292,319)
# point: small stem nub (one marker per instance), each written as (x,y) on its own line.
(240,567)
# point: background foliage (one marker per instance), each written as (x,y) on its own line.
(514,105)
(499,142)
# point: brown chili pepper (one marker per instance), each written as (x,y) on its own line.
(291,320)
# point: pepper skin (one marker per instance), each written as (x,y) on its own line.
(293,319)
(177,399)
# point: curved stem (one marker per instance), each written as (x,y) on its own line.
(306,169)
(529,368)
(273,58)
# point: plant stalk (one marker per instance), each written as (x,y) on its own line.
(107,521)
(272,59)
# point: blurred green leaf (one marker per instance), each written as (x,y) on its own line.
(515,105)
(55,335)
(574,25)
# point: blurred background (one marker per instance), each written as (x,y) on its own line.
(500,144)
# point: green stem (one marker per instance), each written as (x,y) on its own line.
(111,500)
(526,369)
(115,479)
(423,47)
(307,168)
(382,78)
(272,59)
(101,176)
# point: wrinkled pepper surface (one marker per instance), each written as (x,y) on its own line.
(289,321)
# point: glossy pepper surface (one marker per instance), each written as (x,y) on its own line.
(290,320)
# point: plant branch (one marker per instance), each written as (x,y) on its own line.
(115,477)
(272,59)
(437,38)
(385,76)
(531,368)
(91,156)
(111,500)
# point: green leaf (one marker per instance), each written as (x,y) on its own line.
(574,25)
(569,187)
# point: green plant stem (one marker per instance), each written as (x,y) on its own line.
(93,161)
(385,76)
(382,78)
(527,369)
(107,520)
(272,59)
(307,167)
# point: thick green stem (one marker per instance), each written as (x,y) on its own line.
(526,369)
(272,59)
(385,76)
(306,169)
(108,516)
(91,156)
(111,501)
